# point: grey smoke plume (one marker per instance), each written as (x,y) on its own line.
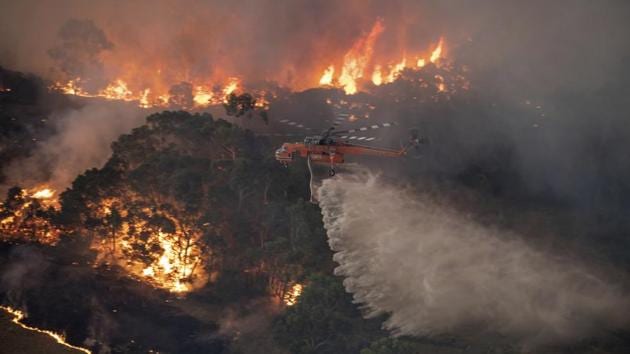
(82,141)
(435,271)
(77,52)
(24,270)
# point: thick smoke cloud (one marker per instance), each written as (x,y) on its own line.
(513,43)
(82,141)
(435,271)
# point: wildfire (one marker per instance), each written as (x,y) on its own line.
(360,59)
(171,270)
(203,96)
(396,69)
(45,193)
(327,77)
(377,76)
(356,60)
(172,259)
(152,84)
(119,89)
(437,52)
(291,297)
(231,86)
(23,216)
(18,316)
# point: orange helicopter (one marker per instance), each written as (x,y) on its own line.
(331,146)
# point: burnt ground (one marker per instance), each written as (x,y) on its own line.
(16,339)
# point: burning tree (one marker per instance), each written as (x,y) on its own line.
(27,215)
(181,201)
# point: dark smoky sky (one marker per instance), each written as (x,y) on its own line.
(521,44)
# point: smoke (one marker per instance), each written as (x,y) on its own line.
(77,53)
(435,271)
(510,42)
(82,141)
(24,270)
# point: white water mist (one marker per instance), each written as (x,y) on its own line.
(435,271)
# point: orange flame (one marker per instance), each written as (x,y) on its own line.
(203,96)
(377,76)
(45,193)
(292,296)
(327,77)
(173,260)
(437,52)
(393,74)
(357,59)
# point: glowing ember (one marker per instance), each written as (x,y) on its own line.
(327,77)
(18,316)
(441,86)
(292,296)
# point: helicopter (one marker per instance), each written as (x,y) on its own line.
(332,146)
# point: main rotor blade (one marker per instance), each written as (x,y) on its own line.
(294,124)
(363,129)
(354,137)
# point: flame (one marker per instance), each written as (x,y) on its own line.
(327,77)
(149,84)
(357,59)
(174,260)
(170,266)
(18,316)
(72,87)
(292,296)
(361,56)
(144,99)
(118,91)
(203,96)
(377,76)
(21,219)
(231,86)
(45,193)
(437,52)
(393,74)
